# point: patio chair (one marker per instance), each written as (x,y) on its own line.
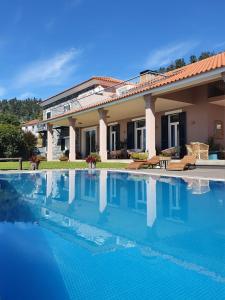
(189,150)
(185,163)
(152,162)
(115,154)
(200,150)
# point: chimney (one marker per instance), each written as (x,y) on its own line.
(146,76)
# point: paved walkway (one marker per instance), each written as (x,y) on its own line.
(207,173)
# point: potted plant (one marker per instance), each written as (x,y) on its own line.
(214,149)
(92,159)
(139,156)
(63,157)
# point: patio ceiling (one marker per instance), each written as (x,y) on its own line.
(219,100)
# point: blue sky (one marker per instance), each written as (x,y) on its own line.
(46,46)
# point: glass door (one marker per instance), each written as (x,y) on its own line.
(173,130)
(90,139)
(112,138)
(140,132)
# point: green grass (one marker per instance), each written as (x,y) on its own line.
(60,165)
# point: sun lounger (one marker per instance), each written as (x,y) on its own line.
(185,163)
(154,161)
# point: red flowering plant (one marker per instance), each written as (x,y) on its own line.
(91,159)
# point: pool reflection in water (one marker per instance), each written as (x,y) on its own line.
(111,235)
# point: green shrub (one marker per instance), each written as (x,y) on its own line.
(139,155)
(11,140)
(63,157)
(41,158)
(30,142)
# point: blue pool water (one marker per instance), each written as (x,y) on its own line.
(109,235)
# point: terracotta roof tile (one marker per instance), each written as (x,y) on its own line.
(205,65)
(31,122)
(109,79)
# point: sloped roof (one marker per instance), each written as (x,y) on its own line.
(31,122)
(191,70)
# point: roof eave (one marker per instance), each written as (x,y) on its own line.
(180,84)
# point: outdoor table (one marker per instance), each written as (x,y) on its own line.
(163,161)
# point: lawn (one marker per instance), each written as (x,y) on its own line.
(60,165)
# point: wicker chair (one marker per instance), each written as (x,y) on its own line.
(200,150)
(189,150)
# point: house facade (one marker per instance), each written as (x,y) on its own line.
(31,126)
(159,111)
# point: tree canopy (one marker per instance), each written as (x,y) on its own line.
(24,110)
(13,141)
(180,62)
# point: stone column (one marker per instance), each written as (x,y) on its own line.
(150,125)
(151,201)
(49,142)
(102,134)
(72,133)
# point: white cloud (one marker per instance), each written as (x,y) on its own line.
(164,56)
(51,71)
(26,95)
(2,91)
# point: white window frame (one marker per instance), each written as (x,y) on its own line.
(143,132)
(83,142)
(170,124)
(66,105)
(47,112)
(111,134)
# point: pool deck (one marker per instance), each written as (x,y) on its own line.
(202,173)
(198,173)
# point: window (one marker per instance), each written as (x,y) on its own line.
(66,107)
(140,140)
(173,130)
(48,114)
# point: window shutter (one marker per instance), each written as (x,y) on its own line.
(130,135)
(117,136)
(182,133)
(108,138)
(164,132)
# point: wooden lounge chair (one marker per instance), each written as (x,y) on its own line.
(185,163)
(154,161)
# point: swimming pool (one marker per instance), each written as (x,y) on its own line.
(110,235)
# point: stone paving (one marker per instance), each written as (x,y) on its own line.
(208,173)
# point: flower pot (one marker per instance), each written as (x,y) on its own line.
(91,165)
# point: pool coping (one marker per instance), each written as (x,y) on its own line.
(136,172)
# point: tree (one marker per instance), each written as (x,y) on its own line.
(6,118)
(205,54)
(25,110)
(30,142)
(11,140)
(193,59)
(179,63)
(171,67)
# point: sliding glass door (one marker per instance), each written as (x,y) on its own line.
(90,141)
